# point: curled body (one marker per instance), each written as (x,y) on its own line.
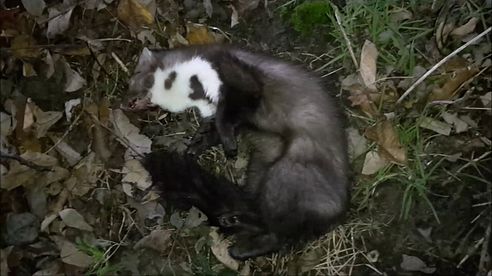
(297,186)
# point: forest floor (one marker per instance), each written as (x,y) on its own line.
(414,78)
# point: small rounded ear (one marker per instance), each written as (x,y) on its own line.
(146,59)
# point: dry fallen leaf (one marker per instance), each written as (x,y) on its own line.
(28,70)
(59,21)
(71,156)
(135,173)
(69,105)
(28,117)
(452,119)
(4,265)
(356,142)
(373,163)
(40,159)
(148,211)
(443,30)
(74,219)
(6,124)
(436,126)
(20,229)
(24,46)
(34,7)
(53,268)
(209,9)
(234,16)
(158,240)
(71,255)
(466,28)
(194,218)
(18,175)
(486,99)
(96,4)
(412,263)
(134,14)
(99,117)
(243,6)
(123,127)
(385,135)
(368,67)
(47,221)
(49,61)
(460,73)
(147,35)
(198,34)
(44,120)
(220,248)
(37,198)
(366,105)
(177,40)
(54,175)
(360,95)
(84,175)
(73,79)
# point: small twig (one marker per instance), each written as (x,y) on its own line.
(120,63)
(471,252)
(98,63)
(25,162)
(112,39)
(484,255)
(226,35)
(65,134)
(458,100)
(440,63)
(392,78)
(474,160)
(332,72)
(349,44)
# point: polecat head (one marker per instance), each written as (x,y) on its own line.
(174,81)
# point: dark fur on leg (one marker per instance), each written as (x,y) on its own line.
(249,246)
(184,184)
(205,137)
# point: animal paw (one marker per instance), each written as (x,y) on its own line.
(254,246)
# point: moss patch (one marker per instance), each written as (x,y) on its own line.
(309,15)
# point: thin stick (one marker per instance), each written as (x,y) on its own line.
(24,162)
(120,63)
(484,256)
(444,60)
(100,65)
(471,252)
(65,134)
(349,44)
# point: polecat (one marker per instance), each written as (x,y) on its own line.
(297,176)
